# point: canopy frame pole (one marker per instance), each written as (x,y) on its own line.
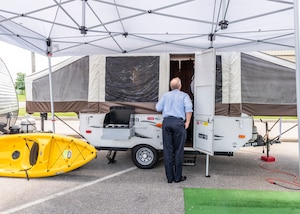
(49,54)
(51,94)
(83,14)
(83,29)
(297,55)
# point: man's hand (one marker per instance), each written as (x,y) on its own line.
(188,116)
(186,124)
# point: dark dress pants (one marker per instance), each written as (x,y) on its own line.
(174,137)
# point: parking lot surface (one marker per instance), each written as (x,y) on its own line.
(121,187)
(99,187)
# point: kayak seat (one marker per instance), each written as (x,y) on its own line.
(34,152)
(119,117)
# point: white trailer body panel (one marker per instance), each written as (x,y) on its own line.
(230,133)
(147,130)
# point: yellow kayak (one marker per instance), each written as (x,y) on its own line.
(33,155)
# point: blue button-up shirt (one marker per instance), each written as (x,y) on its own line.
(174,103)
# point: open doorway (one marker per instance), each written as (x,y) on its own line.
(182,66)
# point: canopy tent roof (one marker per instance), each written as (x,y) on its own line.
(86,27)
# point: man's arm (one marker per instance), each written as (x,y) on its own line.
(159,105)
(188,116)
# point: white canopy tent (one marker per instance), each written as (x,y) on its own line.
(87,27)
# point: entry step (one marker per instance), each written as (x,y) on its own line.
(189,160)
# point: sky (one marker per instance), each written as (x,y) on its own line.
(19,60)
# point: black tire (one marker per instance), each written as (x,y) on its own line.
(144,156)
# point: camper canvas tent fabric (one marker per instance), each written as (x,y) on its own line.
(253,83)
(96,82)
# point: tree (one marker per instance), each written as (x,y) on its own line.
(20,82)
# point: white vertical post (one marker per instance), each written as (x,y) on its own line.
(51,94)
(297,55)
(207,166)
(33,62)
(83,13)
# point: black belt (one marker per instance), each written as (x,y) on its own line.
(172,117)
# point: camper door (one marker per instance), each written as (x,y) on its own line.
(204,101)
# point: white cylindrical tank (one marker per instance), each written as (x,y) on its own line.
(28,125)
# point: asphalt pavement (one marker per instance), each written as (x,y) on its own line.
(99,187)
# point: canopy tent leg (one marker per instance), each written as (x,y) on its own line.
(297,55)
(51,94)
(49,54)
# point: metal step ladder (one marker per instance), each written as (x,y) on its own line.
(189,160)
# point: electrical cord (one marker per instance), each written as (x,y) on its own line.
(281,182)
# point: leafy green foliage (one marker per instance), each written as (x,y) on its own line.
(20,82)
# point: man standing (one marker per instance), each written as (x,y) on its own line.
(176,107)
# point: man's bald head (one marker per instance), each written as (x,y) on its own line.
(175,83)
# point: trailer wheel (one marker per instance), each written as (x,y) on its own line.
(144,156)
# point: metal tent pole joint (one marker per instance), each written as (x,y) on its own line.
(49,47)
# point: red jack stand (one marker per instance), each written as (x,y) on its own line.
(268,158)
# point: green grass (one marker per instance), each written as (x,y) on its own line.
(275,117)
(21,98)
(240,201)
(22,111)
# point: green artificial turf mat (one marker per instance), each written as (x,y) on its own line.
(240,201)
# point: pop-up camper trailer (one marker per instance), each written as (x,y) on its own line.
(252,83)
(9,106)
(115,97)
